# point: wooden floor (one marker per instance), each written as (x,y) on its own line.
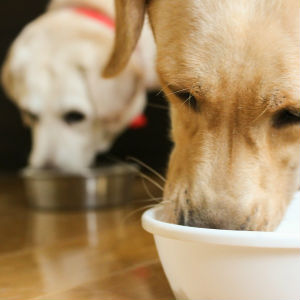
(75,255)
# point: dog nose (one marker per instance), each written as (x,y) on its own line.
(186,219)
(194,218)
(101,159)
(48,165)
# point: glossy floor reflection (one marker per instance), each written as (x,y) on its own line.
(101,254)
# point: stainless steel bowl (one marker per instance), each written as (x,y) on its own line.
(93,188)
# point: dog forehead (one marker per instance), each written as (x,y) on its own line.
(226,49)
(53,93)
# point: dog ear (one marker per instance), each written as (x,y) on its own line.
(130,16)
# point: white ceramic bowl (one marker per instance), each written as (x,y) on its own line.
(233,265)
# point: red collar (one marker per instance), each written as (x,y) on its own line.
(96,15)
(140,121)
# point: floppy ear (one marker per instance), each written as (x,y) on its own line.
(130,16)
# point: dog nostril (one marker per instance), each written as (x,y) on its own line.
(189,218)
(181,219)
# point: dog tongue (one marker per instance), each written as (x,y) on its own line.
(139,122)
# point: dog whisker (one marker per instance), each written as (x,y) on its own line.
(159,92)
(148,192)
(148,168)
(262,113)
(183,104)
(158,106)
(176,92)
(157,200)
(132,213)
(152,181)
(115,159)
(144,176)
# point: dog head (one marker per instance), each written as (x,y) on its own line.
(230,70)
(53,74)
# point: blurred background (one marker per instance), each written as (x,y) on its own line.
(46,251)
(150,144)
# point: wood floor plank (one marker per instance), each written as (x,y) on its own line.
(142,282)
(102,254)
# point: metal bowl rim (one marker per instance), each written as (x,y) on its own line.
(113,170)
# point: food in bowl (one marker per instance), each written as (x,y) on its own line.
(203,263)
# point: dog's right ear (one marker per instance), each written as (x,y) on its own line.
(130,16)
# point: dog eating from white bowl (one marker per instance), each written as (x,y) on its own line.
(53,74)
(230,70)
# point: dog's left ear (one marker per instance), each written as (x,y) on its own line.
(130,16)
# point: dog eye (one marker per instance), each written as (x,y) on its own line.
(73,117)
(286,117)
(189,100)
